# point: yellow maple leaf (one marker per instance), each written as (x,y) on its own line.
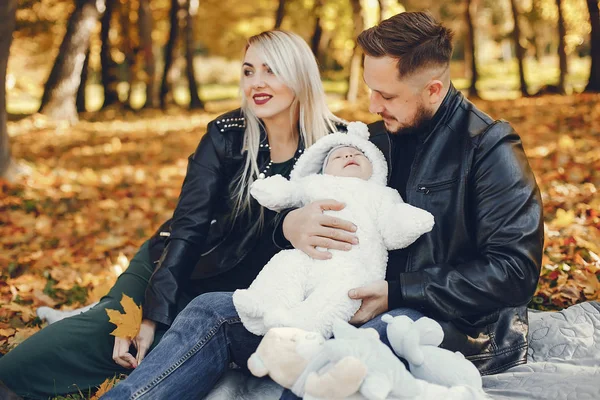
(104,387)
(563,218)
(128,323)
(20,335)
(8,332)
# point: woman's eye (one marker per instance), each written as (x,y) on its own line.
(270,71)
(247,72)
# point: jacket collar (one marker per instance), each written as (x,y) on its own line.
(451,101)
(263,139)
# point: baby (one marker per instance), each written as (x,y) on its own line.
(295,290)
(347,161)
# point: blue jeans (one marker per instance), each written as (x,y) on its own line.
(198,349)
(193,354)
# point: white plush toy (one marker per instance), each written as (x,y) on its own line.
(351,348)
(355,365)
(284,353)
(417,342)
(295,290)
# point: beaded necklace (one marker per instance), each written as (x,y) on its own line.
(267,169)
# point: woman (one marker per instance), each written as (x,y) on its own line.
(218,239)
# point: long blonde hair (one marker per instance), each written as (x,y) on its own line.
(293,62)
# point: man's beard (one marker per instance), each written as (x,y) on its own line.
(420,123)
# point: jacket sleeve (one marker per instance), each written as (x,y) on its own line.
(189,228)
(278,237)
(506,211)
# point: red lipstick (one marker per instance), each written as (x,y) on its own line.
(261,98)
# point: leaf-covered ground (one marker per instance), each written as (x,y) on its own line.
(99,189)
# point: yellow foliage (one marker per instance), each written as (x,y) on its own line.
(128,323)
(563,218)
(103,388)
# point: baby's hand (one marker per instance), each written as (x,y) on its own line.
(271,192)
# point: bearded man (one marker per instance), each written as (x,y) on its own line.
(477,270)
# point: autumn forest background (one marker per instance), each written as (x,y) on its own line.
(101,102)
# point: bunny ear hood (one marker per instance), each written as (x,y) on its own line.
(312,160)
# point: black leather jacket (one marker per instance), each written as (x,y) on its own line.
(478,268)
(202,240)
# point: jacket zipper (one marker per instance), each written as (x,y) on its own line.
(214,221)
(411,177)
(225,236)
(391,163)
(434,187)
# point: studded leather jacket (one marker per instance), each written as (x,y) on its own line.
(202,240)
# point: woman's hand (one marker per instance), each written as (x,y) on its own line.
(142,343)
(121,353)
(307,228)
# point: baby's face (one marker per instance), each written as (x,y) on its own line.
(349,162)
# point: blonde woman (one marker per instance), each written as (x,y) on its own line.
(218,241)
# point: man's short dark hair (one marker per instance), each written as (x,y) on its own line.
(416,39)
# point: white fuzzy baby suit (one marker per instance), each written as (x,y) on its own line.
(295,290)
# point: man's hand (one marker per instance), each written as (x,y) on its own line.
(142,343)
(307,228)
(374,298)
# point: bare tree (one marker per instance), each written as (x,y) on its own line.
(356,61)
(470,11)
(127,46)
(534,16)
(191,11)
(279,14)
(145,29)
(58,100)
(169,51)
(594,80)
(384,9)
(315,40)
(109,67)
(519,50)
(562,53)
(80,102)
(8,9)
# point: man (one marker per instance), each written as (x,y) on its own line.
(476,271)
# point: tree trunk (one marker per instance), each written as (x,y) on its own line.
(315,40)
(534,22)
(169,52)
(470,53)
(384,10)
(279,14)
(58,101)
(127,46)
(8,9)
(80,100)
(562,53)
(354,79)
(109,67)
(145,28)
(192,10)
(519,50)
(594,80)
(538,49)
